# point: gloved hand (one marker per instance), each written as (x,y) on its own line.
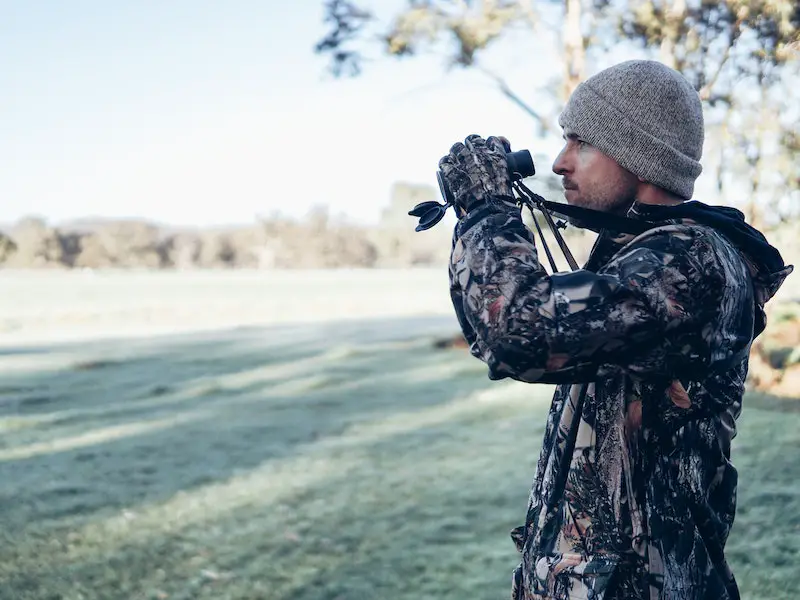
(476,172)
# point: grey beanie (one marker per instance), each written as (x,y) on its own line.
(647,117)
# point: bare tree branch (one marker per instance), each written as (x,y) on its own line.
(705,91)
(348,22)
(544,124)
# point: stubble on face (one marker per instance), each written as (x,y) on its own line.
(594,180)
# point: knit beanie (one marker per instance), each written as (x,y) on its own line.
(647,117)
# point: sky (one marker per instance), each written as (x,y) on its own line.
(203,113)
(206,113)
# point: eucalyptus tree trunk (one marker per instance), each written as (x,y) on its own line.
(675,15)
(574,48)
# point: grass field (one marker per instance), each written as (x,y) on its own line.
(341,460)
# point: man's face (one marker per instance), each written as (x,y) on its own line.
(593,180)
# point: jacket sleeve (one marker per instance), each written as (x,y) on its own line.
(647,312)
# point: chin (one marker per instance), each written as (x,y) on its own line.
(583,203)
(572,201)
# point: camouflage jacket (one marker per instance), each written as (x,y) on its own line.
(634,492)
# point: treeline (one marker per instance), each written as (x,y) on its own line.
(318,241)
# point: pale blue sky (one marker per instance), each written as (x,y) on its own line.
(200,113)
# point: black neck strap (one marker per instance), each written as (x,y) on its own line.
(597,220)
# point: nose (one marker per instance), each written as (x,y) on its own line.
(560,164)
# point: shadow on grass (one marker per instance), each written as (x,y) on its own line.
(108,446)
(100,374)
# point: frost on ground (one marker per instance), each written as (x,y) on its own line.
(71,305)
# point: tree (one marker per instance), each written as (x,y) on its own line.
(123,244)
(37,245)
(467,29)
(741,56)
(7,247)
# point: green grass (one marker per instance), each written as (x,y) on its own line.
(349,461)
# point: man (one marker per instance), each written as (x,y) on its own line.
(634,493)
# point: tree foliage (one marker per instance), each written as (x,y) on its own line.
(741,56)
(704,39)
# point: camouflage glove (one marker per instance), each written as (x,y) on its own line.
(476,172)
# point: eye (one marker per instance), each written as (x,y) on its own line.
(582,144)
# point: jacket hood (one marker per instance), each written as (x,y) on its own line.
(766,264)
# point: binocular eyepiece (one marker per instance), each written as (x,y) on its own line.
(520,166)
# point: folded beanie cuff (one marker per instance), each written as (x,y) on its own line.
(590,116)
